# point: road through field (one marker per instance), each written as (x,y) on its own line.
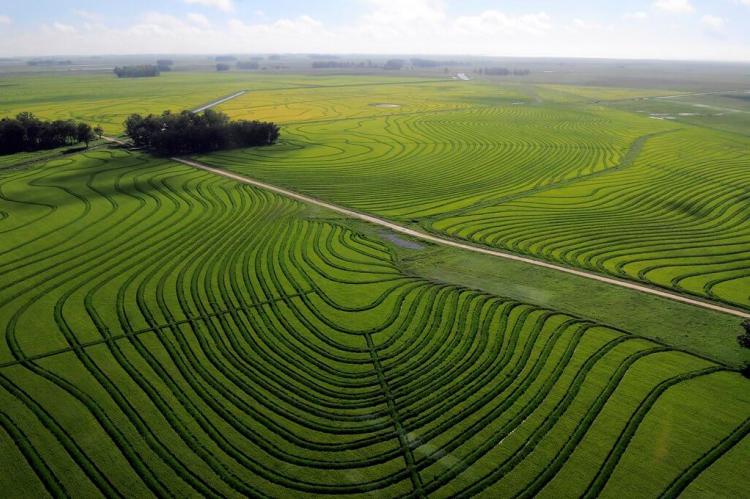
(219,101)
(469,247)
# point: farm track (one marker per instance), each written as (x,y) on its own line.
(465,246)
(218,101)
(292,357)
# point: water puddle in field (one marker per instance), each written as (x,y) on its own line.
(386,105)
(400,242)
(661,116)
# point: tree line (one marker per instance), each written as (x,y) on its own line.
(333,64)
(49,62)
(394,64)
(431,63)
(171,134)
(248,65)
(503,72)
(164,64)
(28,133)
(139,71)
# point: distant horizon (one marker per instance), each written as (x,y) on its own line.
(680,30)
(376,54)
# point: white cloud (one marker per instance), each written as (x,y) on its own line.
(63,28)
(300,27)
(713,23)
(637,16)
(492,22)
(87,15)
(5,20)
(388,27)
(199,20)
(675,6)
(427,11)
(223,5)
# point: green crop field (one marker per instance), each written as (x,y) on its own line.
(107,101)
(172,332)
(536,170)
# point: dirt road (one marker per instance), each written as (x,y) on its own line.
(217,102)
(468,247)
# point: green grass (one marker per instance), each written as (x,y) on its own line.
(172,332)
(694,329)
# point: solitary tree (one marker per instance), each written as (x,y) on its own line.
(744,338)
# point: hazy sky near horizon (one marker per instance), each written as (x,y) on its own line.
(655,29)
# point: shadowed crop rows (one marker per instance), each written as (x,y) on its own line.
(169,332)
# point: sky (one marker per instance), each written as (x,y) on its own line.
(634,29)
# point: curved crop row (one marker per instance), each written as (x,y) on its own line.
(169,332)
(581,185)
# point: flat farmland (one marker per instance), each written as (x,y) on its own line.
(168,331)
(107,101)
(545,171)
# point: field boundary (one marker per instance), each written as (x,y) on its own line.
(424,236)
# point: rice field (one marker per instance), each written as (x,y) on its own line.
(102,99)
(169,332)
(537,171)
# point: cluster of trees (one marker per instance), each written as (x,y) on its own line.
(323,56)
(26,132)
(394,64)
(164,64)
(503,72)
(744,338)
(222,67)
(425,63)
(340,64)
(187,133)
(332,64)
(248,65)
(744,342)
(430,63)
(140,71)
(48,62)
